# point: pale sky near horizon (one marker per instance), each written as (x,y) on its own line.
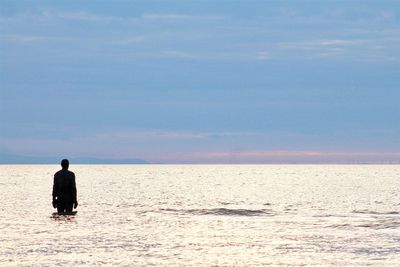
(201,81)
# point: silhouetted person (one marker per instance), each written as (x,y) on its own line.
(64,189)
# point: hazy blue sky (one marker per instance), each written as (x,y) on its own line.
(201,81)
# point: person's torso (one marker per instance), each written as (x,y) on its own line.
(65,182)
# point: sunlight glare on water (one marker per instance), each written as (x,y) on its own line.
(204,215)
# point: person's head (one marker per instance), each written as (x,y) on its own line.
(65,164)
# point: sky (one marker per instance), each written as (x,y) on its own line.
(201,81)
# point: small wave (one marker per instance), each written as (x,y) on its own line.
(380,225)
(329,215)
(377,225)
(375,212)
(341,226)
(226,203)
(223,211)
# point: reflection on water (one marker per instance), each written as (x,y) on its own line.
(223,215)
(63,217)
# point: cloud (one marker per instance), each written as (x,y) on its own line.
(185,147)
(127,41)
(48,14)
(13,38)
(40,39)
(147,144)
(27,39)
(93,17)
(297,156)
(223,56)
(324,43)
(178,55)
(122,136)
(154,16)
(78,16)
(197,55)
(39,133)
(263,55)
(301,153)
(156,134)
(364,50)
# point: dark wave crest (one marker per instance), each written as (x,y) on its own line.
(376,212)
(223,212)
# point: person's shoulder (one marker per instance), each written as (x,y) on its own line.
(71,173)
(58,173)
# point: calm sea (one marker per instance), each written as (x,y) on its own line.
(204,215)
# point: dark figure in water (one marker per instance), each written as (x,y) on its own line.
(64,189)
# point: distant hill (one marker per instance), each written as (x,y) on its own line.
(20,159)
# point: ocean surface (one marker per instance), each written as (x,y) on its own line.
(204,215)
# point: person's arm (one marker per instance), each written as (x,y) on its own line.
(55,193)
(74,192)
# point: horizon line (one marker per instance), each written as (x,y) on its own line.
(217,163)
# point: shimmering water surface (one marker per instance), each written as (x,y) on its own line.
(204,215)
